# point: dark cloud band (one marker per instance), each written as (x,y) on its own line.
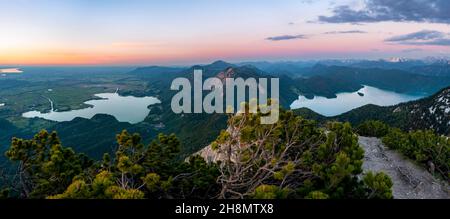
(345,32)
(433,11)
(424,37)
(286,37)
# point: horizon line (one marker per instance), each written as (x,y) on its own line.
(211,62)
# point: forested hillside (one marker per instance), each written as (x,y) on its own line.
(292,159)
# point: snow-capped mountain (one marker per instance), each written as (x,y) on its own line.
(397,59)
(429,113)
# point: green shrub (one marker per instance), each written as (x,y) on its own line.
(425,147)
(372,128)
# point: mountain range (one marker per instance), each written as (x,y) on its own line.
(299,78)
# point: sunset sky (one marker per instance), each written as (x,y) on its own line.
(178,32)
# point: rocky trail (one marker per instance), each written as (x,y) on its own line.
(411,181)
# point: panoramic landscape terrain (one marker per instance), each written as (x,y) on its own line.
(87,112)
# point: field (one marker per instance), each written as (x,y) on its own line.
(68,88)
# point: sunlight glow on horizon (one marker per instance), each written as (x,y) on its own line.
(81,32)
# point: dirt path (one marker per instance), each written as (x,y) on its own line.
(410,180)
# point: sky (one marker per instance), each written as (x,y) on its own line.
(180,32)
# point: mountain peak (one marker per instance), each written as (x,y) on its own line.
(221,64)
(397,59)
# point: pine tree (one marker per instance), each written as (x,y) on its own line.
(45,167)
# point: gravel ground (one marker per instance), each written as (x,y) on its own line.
(411,181)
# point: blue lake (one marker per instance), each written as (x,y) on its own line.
(348,101)
(124,108)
